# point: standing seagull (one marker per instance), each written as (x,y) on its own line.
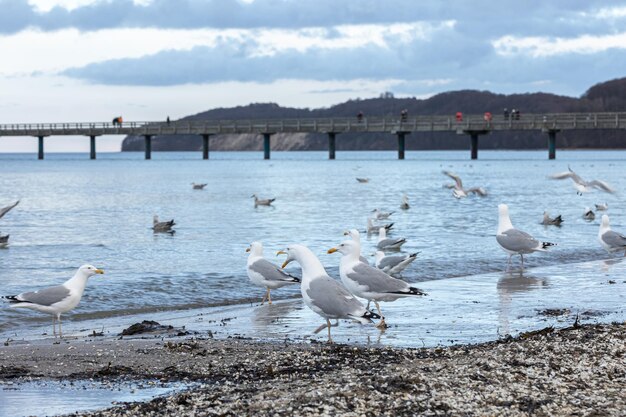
(324,295)
(162,227)
(385,243)
(515,241)
(356,236)
(264,273)
(262,201)
(581,185)
(394,265)
(610,240)
(368,282)
(56,300)
(458,190)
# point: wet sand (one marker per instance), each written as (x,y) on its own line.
(571,371)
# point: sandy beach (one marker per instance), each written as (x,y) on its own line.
(578,370)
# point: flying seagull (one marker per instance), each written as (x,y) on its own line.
(324,295)
(458,190)
(56,300)
(513,241)
(610,240)
(264,273)
(368,282)
(581,185)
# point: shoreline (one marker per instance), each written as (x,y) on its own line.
(578,369)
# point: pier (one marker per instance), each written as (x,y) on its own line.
(472,126)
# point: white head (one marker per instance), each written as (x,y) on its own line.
(88,271)
(348,248)
(379,256)
(405,198)
(155,219)
(354,234)
(255,249)
(504,221)
(382,233)
(604,226)
(311,266)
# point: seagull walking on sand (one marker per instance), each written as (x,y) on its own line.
(385,243)
(368,282)
(162,227)
(516,242)
(394,264)
(56,300)
(324,295)
(610,240)
(264,273)
(588,214)
(581,185)
(458,190)
(262,201)
(549,221)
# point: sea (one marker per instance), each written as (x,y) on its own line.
(76,211)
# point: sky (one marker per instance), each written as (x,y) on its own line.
(91,60)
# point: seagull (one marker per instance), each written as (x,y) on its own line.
(198,186)
(162,227)
(394,265)
(264,273)
(581,185)
(602,207)
(458,190)
(262,201)
(363,180)
(4,241)
(547,220)
(56,300)
(610,240)
(356,236)
(8,208)
(515,241)
(381,215)
(324,295)
(373,228)
(589,215)
(368,282)
(388,243)
(405,202)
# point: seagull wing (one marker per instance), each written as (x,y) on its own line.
(7,209)
(456,178)
(601,185)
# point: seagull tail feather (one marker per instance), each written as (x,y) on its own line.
(545,245)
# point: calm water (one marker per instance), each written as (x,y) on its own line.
(75,211)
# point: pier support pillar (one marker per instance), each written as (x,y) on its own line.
(40,154)
(148,146)
(552,144)
(401,144)
(92,147)
(331,145)
(266,145)
(474,145)
(205,146)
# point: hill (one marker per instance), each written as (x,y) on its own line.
(607,96)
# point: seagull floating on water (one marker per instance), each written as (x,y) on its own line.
(405,202)
(162,227)
(373,228)
(264,273)
(602,207)
(513,241)
(262,201)
(198,186)
(324,295)
(381,215)
(610,240)
(369,282)
(56,300)
(588,214)
(549,221)
(394,264)
(581,185)
(363,180)
(458,190)
(385,243)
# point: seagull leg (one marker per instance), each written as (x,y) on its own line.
(522,256)
(269,296)
(381,324)
(60,327)
(370,301)
(265,296)
(330,339)
(54,326)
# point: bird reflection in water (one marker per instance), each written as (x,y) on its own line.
(514,284)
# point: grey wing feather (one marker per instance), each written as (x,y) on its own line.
(601,185)
(46,296)
(478,190)
(390,261)
(614,239)
(455,177)
(516,240)
(376,280)
(271,272)
(332,298)
(6,209)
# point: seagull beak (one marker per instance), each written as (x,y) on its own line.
(247,249)
(332,250)
(285,263)
(99,271)
(282,252)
